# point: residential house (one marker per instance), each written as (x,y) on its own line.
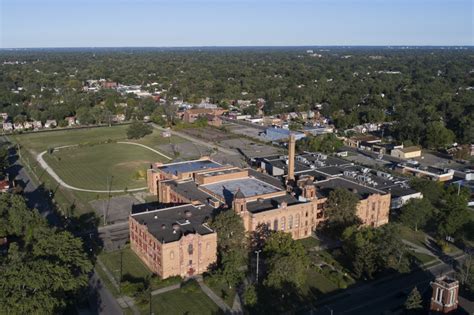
(7,126)
(50,123)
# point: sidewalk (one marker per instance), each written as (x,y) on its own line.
(216,299)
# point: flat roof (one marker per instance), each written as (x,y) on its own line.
(188,166)
(170,224)
(270,203)
(324,187)
(248,186)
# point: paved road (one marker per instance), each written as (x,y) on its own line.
(38,198)
(385,295)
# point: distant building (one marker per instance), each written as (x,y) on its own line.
(37,124)
(7,126)
(428,172)
(4,185)
(50,123)
(214,120)
(357,141)
(191,115)
(166,133)
(71,121)
(18,126)
(280,134)
(406,153)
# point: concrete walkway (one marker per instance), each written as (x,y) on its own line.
(166,289)
(56,177)
(214,297)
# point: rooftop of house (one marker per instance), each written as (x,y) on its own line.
(170,224)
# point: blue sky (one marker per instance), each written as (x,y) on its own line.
(157,23)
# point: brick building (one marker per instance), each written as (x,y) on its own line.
(192,190)
(445,295)
(191,115)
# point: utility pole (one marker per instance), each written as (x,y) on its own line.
(258,257)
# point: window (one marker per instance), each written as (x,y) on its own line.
(208,245)
(171,255)
(306,214)
(190,249)
(190,262)
(275,225)
(290,222)
(297,220)
(283,223)
(439,295)
(241,208)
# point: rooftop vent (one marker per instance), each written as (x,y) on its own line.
(175,227)
(188,213)
(163,227)
(155,217)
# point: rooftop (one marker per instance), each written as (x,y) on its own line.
(249,186)
(326,186)
(188,166)
(170,224)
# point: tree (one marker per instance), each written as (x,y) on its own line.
(231,246)
(466,273)
(416,213)
(327,143)
(414,300)
(438,136)
(286,261)
(454,212)
(250,296)
(341,210)
(44,269)
(138,130)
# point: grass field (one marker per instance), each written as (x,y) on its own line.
(132,266)
(89,166)
(32,144)
(188,300)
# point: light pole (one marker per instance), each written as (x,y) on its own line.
(258,257)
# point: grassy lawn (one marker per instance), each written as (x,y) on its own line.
(132,266)
(416,237)
(221,289)
(34,143)
(90,166)
(187,300)
(318,284)
(420,258)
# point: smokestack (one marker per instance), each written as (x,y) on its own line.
(291,158)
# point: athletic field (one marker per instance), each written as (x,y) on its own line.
(98,167)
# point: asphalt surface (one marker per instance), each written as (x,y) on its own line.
(384,296)
(37,197)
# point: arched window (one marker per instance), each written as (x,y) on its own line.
(171,255)
(283,223)
(290,222)
(297,220)
(275,225)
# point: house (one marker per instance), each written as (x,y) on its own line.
(18,126)
(28,125)
(109,84)
(71,121)
(191,115)
(37,124)
(356,141)
(4,116)
(406,153)
(50,123)
(7,126)
(118,118)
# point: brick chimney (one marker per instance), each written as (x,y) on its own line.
(291,158)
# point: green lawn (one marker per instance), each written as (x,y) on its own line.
(317,284)
(187,300)
(420,258)
(221,289)
(34,143)
(41,141)
(89,166)
(416,237)
(132,266)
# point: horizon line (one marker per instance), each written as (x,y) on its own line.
(242,46)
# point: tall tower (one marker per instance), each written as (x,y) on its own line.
(445,295)
(291,158)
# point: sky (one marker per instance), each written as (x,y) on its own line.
(176,23)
